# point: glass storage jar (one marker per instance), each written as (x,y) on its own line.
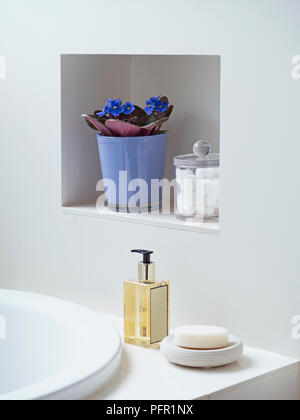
(198,184)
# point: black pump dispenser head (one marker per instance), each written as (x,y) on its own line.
(146,255)
(147,267)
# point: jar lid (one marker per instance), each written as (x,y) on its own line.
(202,157)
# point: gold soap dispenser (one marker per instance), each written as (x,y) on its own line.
(146,306)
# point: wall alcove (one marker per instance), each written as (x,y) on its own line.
(192,84)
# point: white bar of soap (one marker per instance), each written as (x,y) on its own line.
(201,337)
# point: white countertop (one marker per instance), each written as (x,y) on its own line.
(147,375)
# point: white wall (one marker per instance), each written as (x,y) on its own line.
(87,81)
(248,279)
(193,86)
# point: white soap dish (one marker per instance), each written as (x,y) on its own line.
(201,358)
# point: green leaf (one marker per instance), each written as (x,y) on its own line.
(86,119)
(150,119)
(101,119)
(168,112)
(138,116)
(158,123)
(97,125)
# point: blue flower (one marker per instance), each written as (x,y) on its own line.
(155,99)
(104,112)
(114,102)
(161,106)
(149,106)
(128,108)
(155,104)
(115,107)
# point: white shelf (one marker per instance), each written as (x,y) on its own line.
(157,220)
(146,375)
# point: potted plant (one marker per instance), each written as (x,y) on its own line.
(132,149)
